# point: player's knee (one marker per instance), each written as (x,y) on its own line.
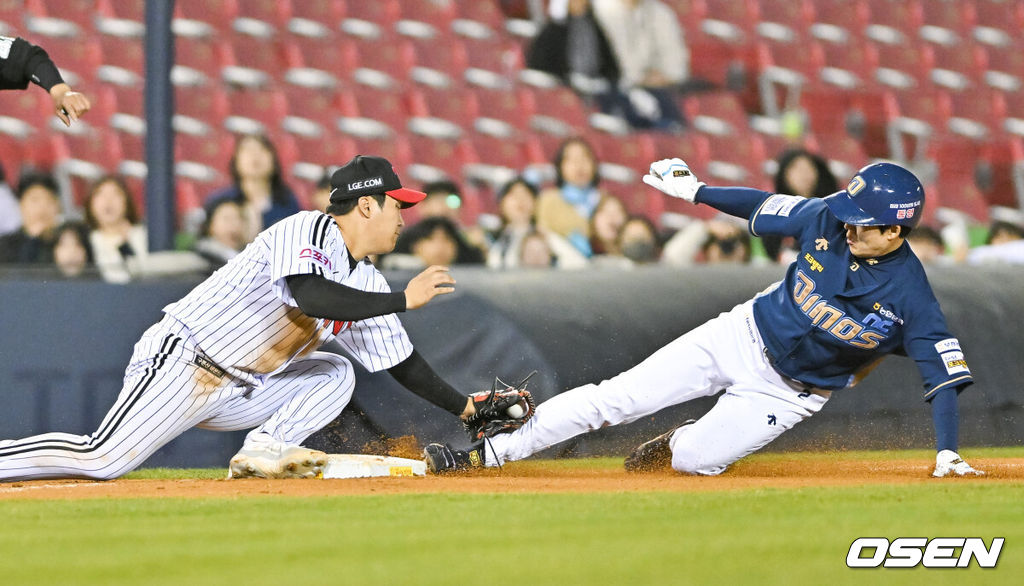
(691,459)
(336,366)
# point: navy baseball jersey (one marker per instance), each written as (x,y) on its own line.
(835,315)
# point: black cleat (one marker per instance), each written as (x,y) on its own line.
(441,459)
(654,454)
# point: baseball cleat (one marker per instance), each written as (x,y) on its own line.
(655,454)
(289,462)
(441,459)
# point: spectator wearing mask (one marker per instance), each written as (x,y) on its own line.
(638,240)
(257,183)
(40,208)
(726,242)
(119,242)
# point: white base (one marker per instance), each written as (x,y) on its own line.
(366,466)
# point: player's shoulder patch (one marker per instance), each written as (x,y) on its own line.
(947,345)
(780,205)
(316,256)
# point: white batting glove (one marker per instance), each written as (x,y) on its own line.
(673,177)
(949,463)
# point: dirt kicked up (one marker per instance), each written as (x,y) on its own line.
(540,476)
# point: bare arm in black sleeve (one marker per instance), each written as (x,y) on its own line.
(22,62)
(320,297)
(416,375)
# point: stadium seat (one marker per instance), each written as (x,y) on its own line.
(559,111)
(254,62)
(904,66)
(997,22)
(255,110)
(321,105)
(894,21)
(318,61)
(784,18)
(12,17)
(455,105)
(514,107)
(389,56)
(129,114)
(389,108)
(439,60)
(205,17)
(947,19)
(394,148)
(716,112)
(372,19)
(738,160)
(959,67)
(839,20)
(731,20)
(23,113)
(849,64)
(492,62)
(316,18)
(86,153)
(198,61)
(420,18)
(478,17)
(786,65)
(203,158)
(319,150)
(920,114)
(1002,158)
(133,10)
(844,153)
(124,60)
(80,12)
(1006,67)
(262,18)
(200,106)
(493,160)
(434,159)
(976,114)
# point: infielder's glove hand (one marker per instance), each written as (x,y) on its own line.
(500,411)
(949,463)
(673,177)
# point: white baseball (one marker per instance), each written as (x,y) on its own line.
(515,411)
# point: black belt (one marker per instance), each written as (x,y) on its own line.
(797,385)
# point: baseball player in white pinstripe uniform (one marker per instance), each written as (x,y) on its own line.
(240,351)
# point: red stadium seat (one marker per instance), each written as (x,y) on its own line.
(316,17)
(255,111)
(495,160)
(784,17)
(945,18)
(77,57)
(998,22)
(134,10)
(80,12)
(198,60)
(321,105)
(86,154)
(455,105)
(437,16)
(894,21)
(491,61)
(374,18)
(203,158)
(959,67)
(208,105)
(316,152)
(439,60)
(389,55)
(218,15)
(262,18)
(124,60)
(486,13)
(1006,67)
(254,62)
(904,66)
(394,148)
(436,158)
(559,111)
(839,20)
(387,107)
(716,112)
(333,57)
(849,64)
(514,107)
(731,20)
(22,113)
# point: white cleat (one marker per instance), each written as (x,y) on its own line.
(288,462)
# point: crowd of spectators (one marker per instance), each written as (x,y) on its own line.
(570,224)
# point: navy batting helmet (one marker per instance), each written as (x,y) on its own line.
(882,194)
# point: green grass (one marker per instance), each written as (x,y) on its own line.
(766,536)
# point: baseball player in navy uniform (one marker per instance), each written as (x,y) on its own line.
(855,294)
(240,351)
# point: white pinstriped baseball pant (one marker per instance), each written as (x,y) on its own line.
(724,353)
(165,393)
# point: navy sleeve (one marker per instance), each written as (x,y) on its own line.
(735,201)
(938,355)
(946,417)
(786,215)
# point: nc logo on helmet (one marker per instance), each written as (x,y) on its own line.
(856,184)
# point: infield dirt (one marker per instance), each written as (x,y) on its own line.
(537,476)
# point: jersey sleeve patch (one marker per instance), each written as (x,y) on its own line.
(780,205)
(954,362)
(315,256)
(947,345)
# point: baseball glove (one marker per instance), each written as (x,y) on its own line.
(500,411)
